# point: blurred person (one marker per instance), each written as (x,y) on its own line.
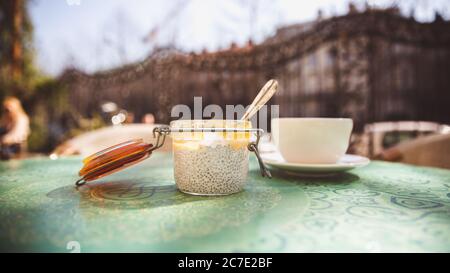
(148,119)
(14,128)
(130,118)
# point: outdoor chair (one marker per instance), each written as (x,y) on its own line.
(432,150)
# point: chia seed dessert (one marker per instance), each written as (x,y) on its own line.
(210,163)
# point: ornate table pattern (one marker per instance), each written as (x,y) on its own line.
(384,207)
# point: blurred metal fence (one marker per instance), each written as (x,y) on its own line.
(371,66)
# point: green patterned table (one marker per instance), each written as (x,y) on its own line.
(382,207)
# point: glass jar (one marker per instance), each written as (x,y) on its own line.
(210,156)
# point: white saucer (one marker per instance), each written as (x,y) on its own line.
(347,162)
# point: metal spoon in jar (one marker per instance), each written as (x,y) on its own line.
(268,90)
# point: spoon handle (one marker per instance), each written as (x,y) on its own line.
(263,96)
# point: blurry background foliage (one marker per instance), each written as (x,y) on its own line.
(45,100)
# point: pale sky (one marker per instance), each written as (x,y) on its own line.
(102,34)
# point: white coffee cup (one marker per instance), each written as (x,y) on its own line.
(312,140)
